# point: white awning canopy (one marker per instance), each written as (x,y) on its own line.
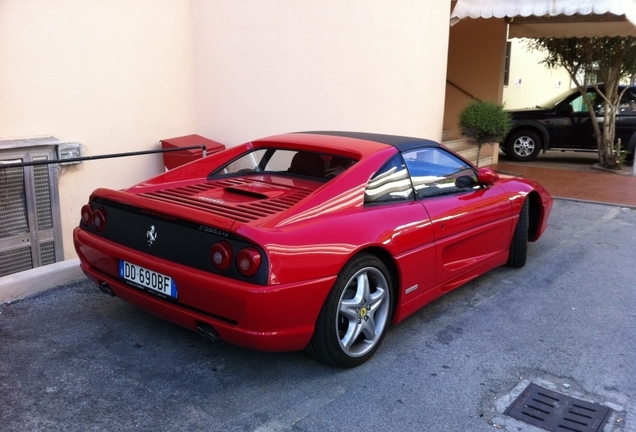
(554,18)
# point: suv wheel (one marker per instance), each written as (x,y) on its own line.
(523,145)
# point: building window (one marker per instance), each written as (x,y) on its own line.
(30,227)
(507,63)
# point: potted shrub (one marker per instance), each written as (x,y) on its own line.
(484,122)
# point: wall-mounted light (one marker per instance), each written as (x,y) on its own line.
(69,150)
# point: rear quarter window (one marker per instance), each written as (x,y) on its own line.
(390,184)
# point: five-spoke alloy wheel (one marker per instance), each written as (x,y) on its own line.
(356,314)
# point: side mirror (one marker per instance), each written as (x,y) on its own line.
(486,176)
(463,182)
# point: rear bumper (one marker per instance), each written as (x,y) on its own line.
(267,318)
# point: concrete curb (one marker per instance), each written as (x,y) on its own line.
(27,283)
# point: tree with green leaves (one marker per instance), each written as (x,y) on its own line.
(483,122)
(610,59)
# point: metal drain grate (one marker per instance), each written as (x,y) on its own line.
(556,412)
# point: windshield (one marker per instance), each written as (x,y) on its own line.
(551,103)
(272,160)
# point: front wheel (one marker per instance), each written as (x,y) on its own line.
(523,145)
(355,316)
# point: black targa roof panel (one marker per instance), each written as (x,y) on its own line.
(402,143)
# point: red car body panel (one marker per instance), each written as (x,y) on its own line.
(268,318)
(307,231)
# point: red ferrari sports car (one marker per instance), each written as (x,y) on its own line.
(315,241)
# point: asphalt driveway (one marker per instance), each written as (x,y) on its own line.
(74,359)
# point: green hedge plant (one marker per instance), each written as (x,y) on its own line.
(484,122)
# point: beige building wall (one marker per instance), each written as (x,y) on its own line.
(531,83)
(278,66)
(115,75)
(120,75)
(476,57)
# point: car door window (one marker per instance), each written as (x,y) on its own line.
(627,105)
(579,106)
(433,171)
(390,184)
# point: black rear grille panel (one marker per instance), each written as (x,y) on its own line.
(180,241)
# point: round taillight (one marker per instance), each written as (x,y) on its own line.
(99,219)
(87,215)
(221,255)
(248,261)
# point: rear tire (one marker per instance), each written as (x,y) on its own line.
(519,244)
(354,319)
(523,145)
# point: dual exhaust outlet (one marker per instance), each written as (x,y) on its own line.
(205,330)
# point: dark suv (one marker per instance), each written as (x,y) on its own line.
(563,123)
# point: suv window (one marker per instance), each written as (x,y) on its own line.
(579,106)
(628,104)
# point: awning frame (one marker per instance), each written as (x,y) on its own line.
(554,18)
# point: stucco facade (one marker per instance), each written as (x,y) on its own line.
(530,82)
(119,76)
(475,67)
(116,76)
(277,66)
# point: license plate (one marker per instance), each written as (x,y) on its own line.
(147,279)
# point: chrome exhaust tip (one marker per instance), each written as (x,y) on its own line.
(106,289)
(208,332)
